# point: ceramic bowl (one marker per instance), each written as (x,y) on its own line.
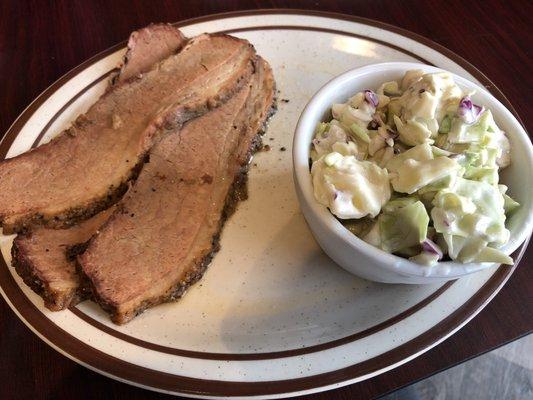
(365,260)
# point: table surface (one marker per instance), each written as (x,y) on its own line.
(39,42)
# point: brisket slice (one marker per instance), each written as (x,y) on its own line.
(43,259)
(148,46)
(86,168)
(165,230)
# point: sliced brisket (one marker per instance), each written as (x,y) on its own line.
(86,168)
(166,227)
(44,258)
(41,260)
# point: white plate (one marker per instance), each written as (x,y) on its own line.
(273,316)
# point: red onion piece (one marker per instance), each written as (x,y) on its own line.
(371,97)
(430,246)
(469,111)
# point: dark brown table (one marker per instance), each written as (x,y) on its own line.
(40,41)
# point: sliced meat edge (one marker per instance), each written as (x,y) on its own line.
(45,261)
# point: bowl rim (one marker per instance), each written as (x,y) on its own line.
(393,263)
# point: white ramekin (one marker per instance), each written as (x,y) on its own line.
(365,260)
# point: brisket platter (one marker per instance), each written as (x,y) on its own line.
(175,130)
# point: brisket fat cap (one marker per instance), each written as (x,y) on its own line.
(87,167)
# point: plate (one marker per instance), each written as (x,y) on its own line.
(273,316)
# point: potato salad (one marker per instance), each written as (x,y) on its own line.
(412,168)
